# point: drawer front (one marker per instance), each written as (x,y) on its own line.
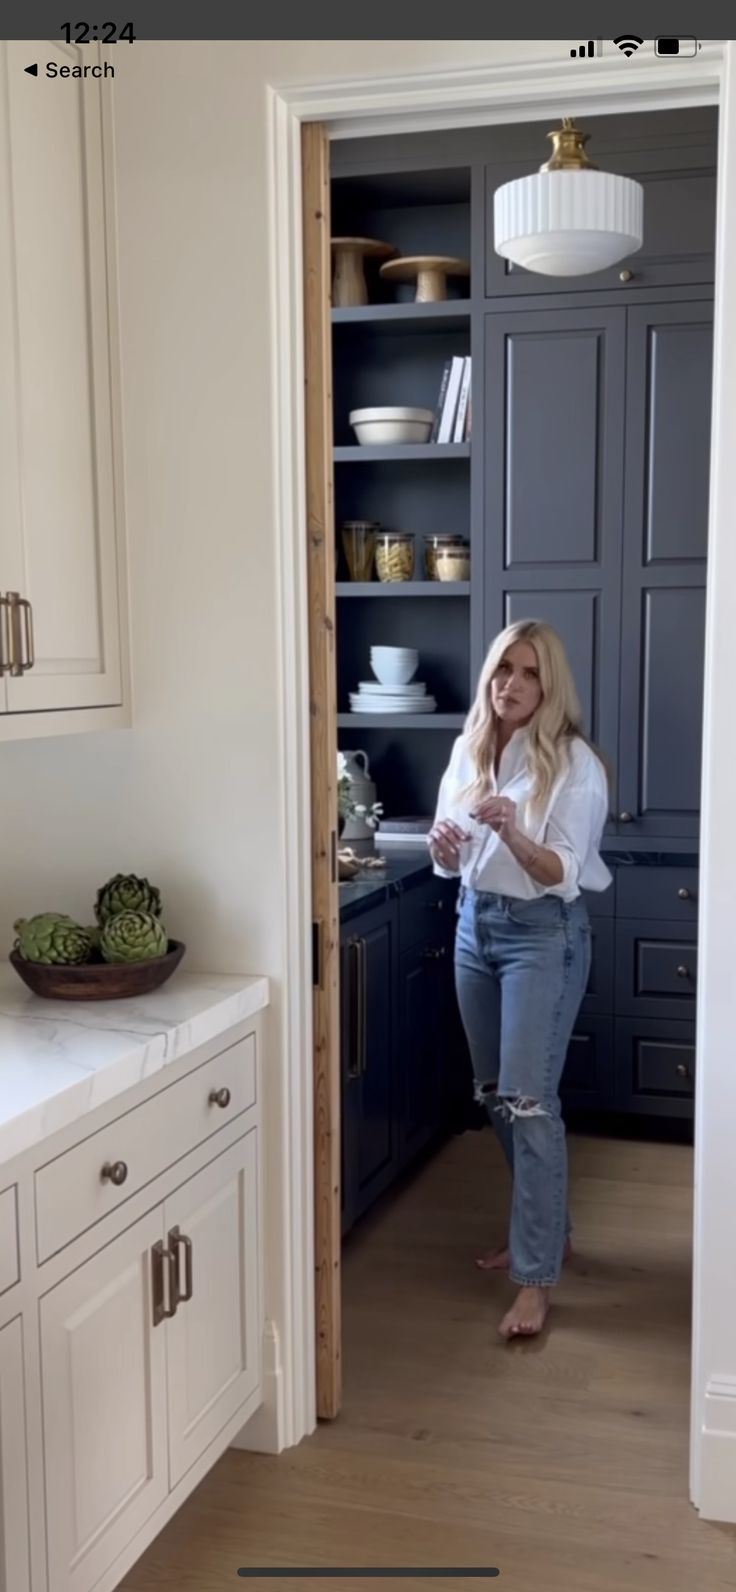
(587,1081)
(655,1067)
(600,902)
(426,912)
(9,1259)
(599,994)
(656,972)
(658,893)
(71,1192)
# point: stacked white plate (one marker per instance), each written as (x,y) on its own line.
(373,698)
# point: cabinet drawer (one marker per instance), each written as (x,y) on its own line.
(656,971)
(72,1194)
(657,893)
(9,1262)
(587,1081)
(655,1067)
(426,912)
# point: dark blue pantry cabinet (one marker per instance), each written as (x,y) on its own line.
(583,490)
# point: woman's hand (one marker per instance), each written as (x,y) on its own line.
(445,840)
(499,813)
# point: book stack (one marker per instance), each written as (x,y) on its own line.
(452,414)
(403,832)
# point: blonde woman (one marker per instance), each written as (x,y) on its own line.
(520,816)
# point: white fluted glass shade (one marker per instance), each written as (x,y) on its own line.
(568,223)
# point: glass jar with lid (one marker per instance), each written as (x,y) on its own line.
(359,545)
(432,544)
(395,555)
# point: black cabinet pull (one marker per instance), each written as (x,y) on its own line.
(114,1172)
(219,1097)
(683,971)
(177,1241)
(161,1262)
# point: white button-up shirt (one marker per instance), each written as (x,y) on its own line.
(571,823)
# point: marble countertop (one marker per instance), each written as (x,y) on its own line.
(62,1059)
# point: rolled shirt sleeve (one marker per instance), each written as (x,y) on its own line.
(575,825)
(446,806)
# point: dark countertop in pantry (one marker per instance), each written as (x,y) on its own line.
(408,867)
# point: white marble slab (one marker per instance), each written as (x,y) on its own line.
(61,1059)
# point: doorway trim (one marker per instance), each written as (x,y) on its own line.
(528,90)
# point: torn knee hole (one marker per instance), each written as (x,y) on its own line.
(483,1092)
(516,1107)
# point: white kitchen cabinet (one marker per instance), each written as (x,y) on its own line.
(61,548)
(104,1407)
(148,1350)
(213,1341)
(14,1524)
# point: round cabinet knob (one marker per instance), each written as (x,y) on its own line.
(114,1172)
(625,276)
(684,894)
(435,953)
(682,1070)
(219,1097)
(625,818)
(682,971)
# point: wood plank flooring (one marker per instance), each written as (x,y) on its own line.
(563,1461)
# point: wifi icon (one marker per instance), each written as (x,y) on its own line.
(627,43)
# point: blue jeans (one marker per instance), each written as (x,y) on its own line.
(521,968)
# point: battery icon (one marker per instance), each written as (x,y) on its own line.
(681,46)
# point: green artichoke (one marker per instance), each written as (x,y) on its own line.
(52,938)
(133,937)
(125,892)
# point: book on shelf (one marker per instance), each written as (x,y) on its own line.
(460,431)
(386,839)
(452,414)
(405,826)
(449,407)
(434,433)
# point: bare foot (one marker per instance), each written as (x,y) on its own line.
(500,1259)
(527,1315)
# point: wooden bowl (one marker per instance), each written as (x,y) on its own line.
(98,981)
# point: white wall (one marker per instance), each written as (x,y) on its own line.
(190,796)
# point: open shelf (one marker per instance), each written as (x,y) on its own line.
(406,452)
(443,316)
(402,588)
(407,721)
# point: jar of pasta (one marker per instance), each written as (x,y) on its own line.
(359,544)
(394,555)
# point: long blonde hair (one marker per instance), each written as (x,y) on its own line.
(555,724)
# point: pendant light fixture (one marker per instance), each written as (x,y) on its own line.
(569,218)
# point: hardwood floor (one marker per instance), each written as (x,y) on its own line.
(563,1461)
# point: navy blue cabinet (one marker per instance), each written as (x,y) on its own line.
(400,1043)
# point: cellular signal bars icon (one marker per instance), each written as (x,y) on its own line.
(585,51)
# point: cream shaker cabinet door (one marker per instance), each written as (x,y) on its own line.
(14,1545)
(58,533)
(213,1341)
(104,1406)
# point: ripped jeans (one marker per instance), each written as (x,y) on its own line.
(521,968)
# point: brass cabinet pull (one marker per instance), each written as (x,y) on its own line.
(363,1010)
(219,1097)
(625,276)
(434,953)
(20,627)
(161,1262)
(436,906)
(354,1042)
(177,1241)
(6,643)
(684,893)
(625,818)
(114,1172)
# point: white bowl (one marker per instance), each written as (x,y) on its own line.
(394,671)
(388,426)
(395,652)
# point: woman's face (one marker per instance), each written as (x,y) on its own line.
(515,689)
